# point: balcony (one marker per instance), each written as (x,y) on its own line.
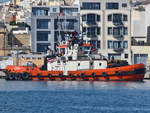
(119,36)
(119,49)
(91,23)
(118,23)
(91,35)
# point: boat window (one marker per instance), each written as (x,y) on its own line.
(28,58)
(91,63)
(78,64)
(100,64)
(70,58)
(39,58)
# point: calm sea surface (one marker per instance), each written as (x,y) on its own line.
(74,97)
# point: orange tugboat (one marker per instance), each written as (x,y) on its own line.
(76,61)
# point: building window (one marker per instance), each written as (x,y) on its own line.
(42,24)
(27,58)
(98,31)
(54,9)
(114,56)
(93,43)
(40,12)
(68,24)
(91,6)
(42,47)
(125,44)
(109,17)
(117,18)
(140,58)
(43,36)
(112,6)
(98,44)
(110,44)
(33,58)
(83,17)
(125,18)
(117,44)
(39,58)
(124,4)
(109,30)
(98,18)
(125,55)
(125,32)
(84,29)
(91,32)
(91,19)
(117,31)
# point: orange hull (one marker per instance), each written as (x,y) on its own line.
(125,73)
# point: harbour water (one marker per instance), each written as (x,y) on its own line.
(74,97)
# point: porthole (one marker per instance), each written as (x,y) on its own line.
(100,64)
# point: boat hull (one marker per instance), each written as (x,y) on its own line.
(125,73)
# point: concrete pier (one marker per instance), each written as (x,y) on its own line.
(2,75)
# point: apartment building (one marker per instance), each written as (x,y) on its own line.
(140,33)
(49,25)
(106,24)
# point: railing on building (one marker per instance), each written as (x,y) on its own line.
(118,23)
(119,49)
(119,36)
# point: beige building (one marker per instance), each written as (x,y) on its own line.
(140,33)
(106,24)
(24,59)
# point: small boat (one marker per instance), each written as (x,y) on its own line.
(77,60)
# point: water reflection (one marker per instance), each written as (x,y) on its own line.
(69,85)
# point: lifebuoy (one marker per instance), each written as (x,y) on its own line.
(93,75)
(104,74)
(49,76)
(39,76)
(61,76)
(25,76)
(83,76)
(16,76)
(7,76)
(11,76)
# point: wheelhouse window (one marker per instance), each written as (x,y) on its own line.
(91,6)
(112,5)
(124,5)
